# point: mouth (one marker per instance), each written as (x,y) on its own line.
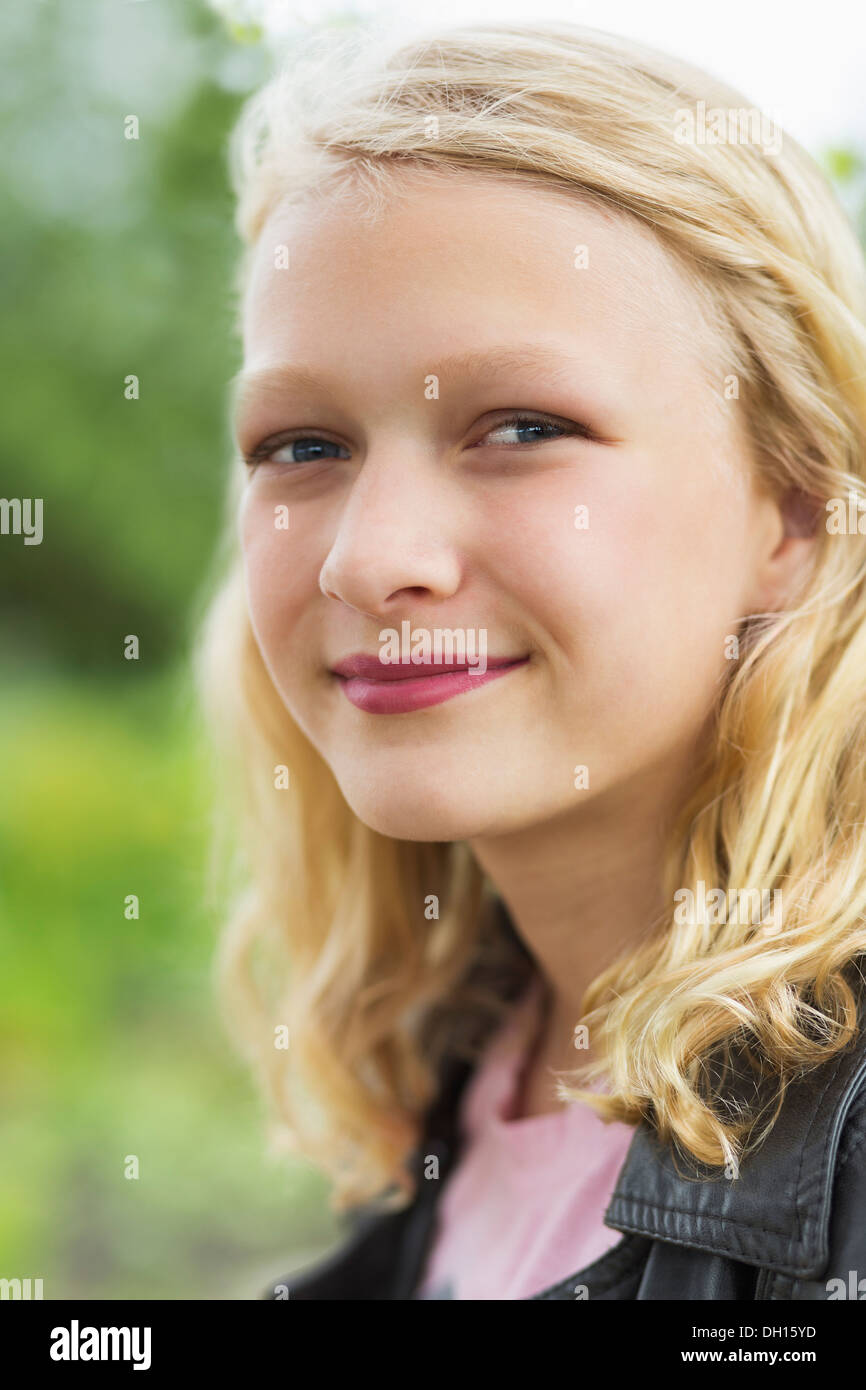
(403,687)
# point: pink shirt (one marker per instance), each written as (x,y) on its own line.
(522,1209)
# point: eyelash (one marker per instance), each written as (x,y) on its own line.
(567,429)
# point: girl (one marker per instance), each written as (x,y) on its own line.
(542,668)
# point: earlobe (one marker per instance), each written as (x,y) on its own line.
(785,567)
(788,571)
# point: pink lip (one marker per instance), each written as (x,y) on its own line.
(378,688)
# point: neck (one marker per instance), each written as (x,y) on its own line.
(582,889)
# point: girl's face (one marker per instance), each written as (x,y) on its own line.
(606,544)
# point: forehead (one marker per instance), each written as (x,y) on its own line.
(451,258)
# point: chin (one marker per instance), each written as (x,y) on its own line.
(409,813)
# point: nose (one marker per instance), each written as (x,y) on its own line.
(396,537)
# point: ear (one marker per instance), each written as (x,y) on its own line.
(788,548)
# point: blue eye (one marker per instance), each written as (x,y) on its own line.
(310,446)
(536,431)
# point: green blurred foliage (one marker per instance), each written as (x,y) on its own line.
(124,267)
(110,1037)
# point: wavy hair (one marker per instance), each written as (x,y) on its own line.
(328,934)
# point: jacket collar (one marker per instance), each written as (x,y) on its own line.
(776,1212)
(775,1215)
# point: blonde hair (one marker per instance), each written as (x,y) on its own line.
(329,935)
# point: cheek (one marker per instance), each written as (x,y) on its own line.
(280,576)
(635,603)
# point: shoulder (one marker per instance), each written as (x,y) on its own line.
(837,1209)
(848,1199)
(841,1212)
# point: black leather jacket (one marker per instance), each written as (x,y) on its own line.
(791,1226)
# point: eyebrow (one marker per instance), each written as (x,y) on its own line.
(465,365)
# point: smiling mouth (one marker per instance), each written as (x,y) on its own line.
(404,687)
